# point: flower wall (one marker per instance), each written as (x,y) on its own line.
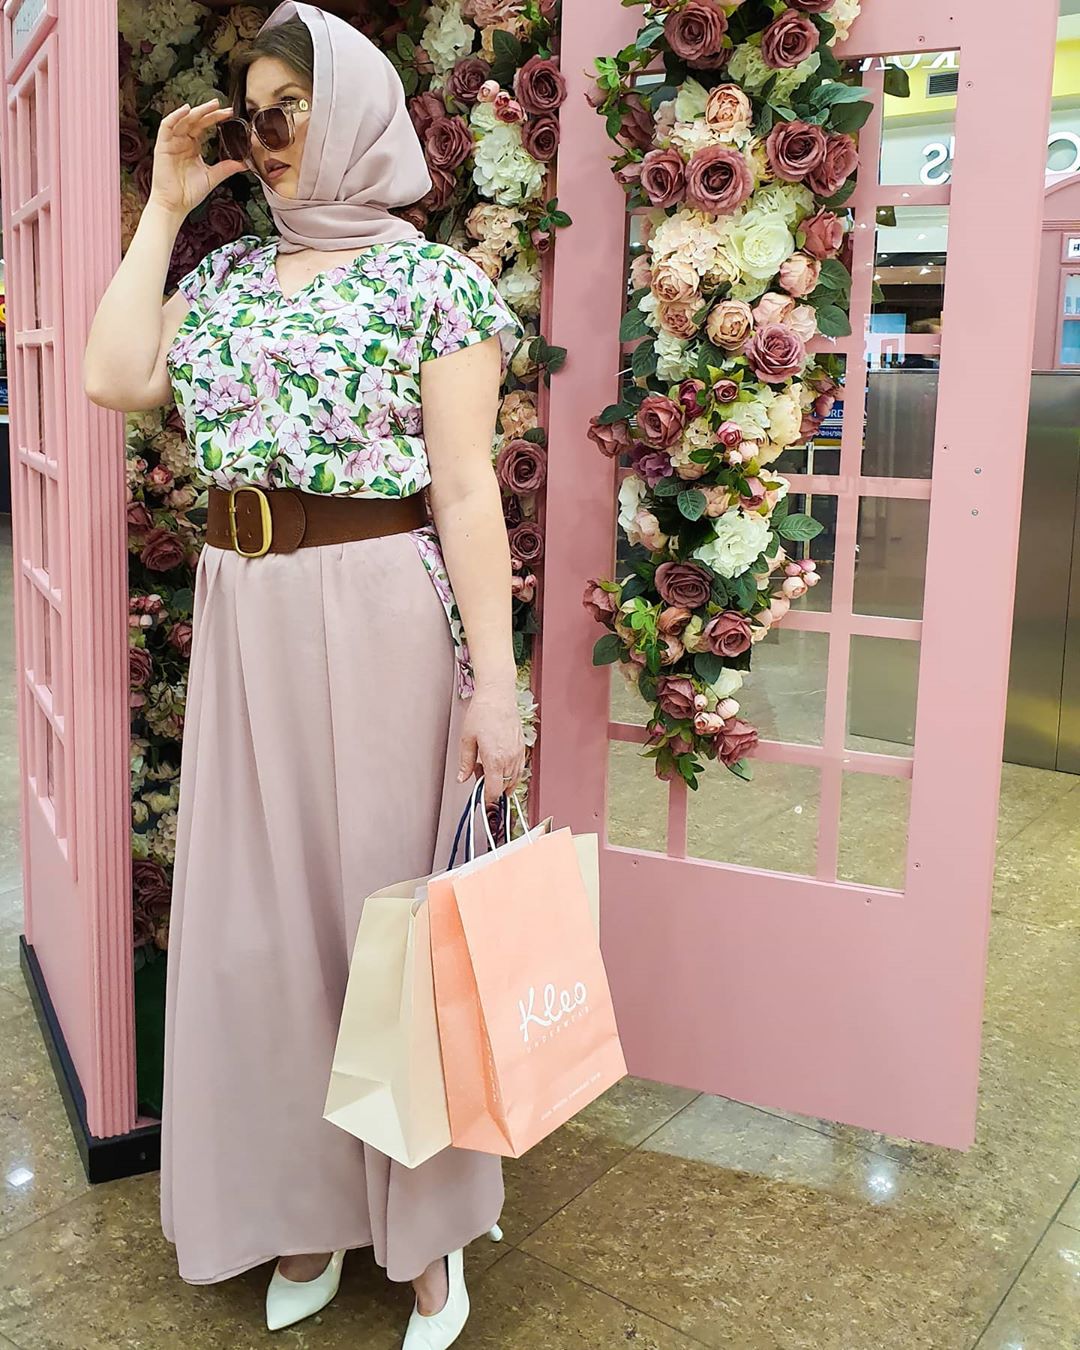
(741,153)
(484,93)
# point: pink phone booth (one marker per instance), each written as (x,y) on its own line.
(1057,327)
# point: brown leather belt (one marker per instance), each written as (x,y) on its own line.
(252,520)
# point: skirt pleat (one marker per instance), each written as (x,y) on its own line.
(319,764)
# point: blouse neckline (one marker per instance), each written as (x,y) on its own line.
(339,272)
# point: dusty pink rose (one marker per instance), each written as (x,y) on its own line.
(799,274)
(729,111)
(648,527)
(133,142)
(601,604)
(225,218)
(779,607)
(508,109)
(663,177)
(652,465)
(676,283)
(726,391)
(773,308)
(162,551)
(521,466)
(728,634)
(718,180)
(690,471)
(424,109)
(676,695)
(540,137)
(730,434)
(140,665)
(467,78)
(812,6)
(803,322)
(673,619)
(612,440)
(736,741)
(638,128)
(683,584)
(789,40)
(523,588)
(160,478)
(138,517)
(180,635)
(488,92)
(149,884)
(824,234)
(527,541)
(717,501)
(679,319)
(640,272)
(775,353)
(840,162)
(688,396)
(660,421)
(708,723)
(696,33)
(794,588)
(629,174)
(794,149)
(754,495)
(730,324)
(540,86)
(672,649)
(486,12)
(416,216)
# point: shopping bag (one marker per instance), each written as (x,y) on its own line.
(526,1023)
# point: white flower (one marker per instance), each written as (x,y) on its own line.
(164,25)
(690,137)
(194,86)
(502,169)
(675,360)
(785,420)
(759,242)
(747,67)
(632,492)
(690,102)
(789,80)
(520,287)
(790,200)
(728,682)
(752,418)
(447,37)
(740,541)
(843,14)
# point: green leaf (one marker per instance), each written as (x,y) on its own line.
(800,528)
(668,487)
(614,123)
(824,27)
(692,503)
(826,95)
(648,36)
(744,591)
(506,47)
(833,321)
(835,276)
(634,325)
(741,769)
(708,666)
(765,121)
(377,353)
(211,457)
(608,650)
(837,200)
(537,435)
(615,412)
(632,587)
(406,48)
(897,82)
(830,66)
(645,359)
(849,117)
(410,80)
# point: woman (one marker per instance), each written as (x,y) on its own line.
(341,370)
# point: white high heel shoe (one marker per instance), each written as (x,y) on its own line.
(442,1329)
(289,1301)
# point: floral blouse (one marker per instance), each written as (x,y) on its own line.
(321,390)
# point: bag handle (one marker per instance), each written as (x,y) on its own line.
(469,815)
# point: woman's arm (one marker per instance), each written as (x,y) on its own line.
(460,395)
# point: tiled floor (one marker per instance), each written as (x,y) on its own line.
(656,1219)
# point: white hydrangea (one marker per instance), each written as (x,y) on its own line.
(691,101)
(747,67)
(164,26)
(650,307)
(790,200)
(752,418)
(692,237)
(740,539)
(690,137)
(748,289)
(447,37)
(632,492)
(789,80)
(675,359)
(195,85)
(502,169)
(520,287)
(843,14)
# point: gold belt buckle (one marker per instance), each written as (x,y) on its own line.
(265,516)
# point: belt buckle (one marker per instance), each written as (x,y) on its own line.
(265,517)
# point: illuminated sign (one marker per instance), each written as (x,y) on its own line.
(938,157)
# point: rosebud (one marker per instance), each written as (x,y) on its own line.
(488,91)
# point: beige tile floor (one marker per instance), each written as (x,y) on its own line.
(657,1219)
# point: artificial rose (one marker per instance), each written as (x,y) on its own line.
(527,541)
(717,501)
(508,109)
(730,435)
(773,308)
(660,421)
(540,85)
(725,391)
(708,724)
(652,465)
(133,142)
(600,603)
(488,262)
(675,282)
(225,218)
(682,584)
(247,20)
(467,78)
(759,242)
(416,216)
(754,496)
(180,635)
(443,187)
(696,33)
(824,234)
(729,112)
(640,272)
(728,634)
(489,92)
(521,466)
(812,6)
(540,137)
(730,324)
(138,517)
(736,741)
(611,440)
(794,588)
(676,694)
(140,665)
(718,180)
(646,531)
(840,162)
(663,177)
(448,143)
(673,619)
(638,129)
(688,396)
(689,471)
(799,274)
(495,226)
(775,353)
(424,109)
(149,883)
(162,551)
(788,41)
(486,12)
(795,149)
(678,319)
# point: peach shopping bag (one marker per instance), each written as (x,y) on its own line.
(526,1023)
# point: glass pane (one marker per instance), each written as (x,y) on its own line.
(821,453)
(45,675)
(910,269)
(822,549)
(883,684)
(627,705)
(901,418)
(890,568)
(1070,343)
(784,694)
(874,829)
(1072,294)
(637,801)
(771,823)
(918,141)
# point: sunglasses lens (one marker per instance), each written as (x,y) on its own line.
(233,135)
(272,126)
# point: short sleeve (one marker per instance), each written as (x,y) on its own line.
(465,308)
(207,277)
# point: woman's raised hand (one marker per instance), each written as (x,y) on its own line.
(182,178)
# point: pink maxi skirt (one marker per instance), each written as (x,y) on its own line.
(320,763)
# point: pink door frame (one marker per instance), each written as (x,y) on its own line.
(1061,220)
(808,994)
(61,179)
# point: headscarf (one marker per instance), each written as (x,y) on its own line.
(362,155)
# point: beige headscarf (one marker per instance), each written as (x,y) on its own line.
(362,155)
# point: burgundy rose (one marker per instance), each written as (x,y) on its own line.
(162,551)
(728,634)
(824,235)
(812,6)
(660,421)
(601,604)
(540,86)
(718,180)
(775,353)
(652,465)
(840,162)
(638,128)
(424,109)
(735,741)
(140,666)
(789,40)
(443,187)
(682,584)
(144,177)
(540,137)
(513,515)
(138,517)
(180,637)
(663,177)
(149,884)
(416,216)
(549,9)
(629,174)
(696,33)
(688,396)
(726,391)
(467,76)
(527,541)
(133,142)
(676,694)
(612,440)
(448,142)
(521,466)
(226,218)
(795,149)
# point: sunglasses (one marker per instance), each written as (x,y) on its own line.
(275,127)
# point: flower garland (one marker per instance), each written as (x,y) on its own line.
(745,150)
(484,92)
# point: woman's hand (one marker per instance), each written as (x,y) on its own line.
(182,178)
(493,736)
